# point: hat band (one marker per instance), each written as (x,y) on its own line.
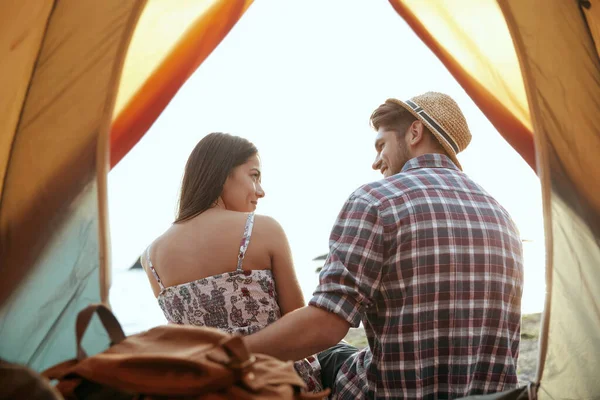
(433,124)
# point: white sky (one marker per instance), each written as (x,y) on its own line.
(300,80)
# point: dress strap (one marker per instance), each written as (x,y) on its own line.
(245,240)
(160,284)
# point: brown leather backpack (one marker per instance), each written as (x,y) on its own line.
(173,361)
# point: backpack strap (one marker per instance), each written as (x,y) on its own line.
(160,284)
(245,240)
(108,319)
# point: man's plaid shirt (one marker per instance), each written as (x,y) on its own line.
(433,267)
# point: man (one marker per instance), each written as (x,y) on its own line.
(427,260)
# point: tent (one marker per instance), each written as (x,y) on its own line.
(82,81)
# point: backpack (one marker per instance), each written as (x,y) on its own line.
(173,361)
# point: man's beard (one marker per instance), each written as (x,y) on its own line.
(404,157)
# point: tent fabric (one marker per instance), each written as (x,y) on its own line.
(53,226)
(22,26)
(564,100)
(508,53)
(171,40)
(481,57)
(37,325)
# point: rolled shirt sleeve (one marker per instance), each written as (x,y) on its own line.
(349,281)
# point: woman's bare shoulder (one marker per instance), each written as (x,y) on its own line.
(269,229)
(267,224)
(163,240)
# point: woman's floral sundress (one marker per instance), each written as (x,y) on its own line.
(238,302)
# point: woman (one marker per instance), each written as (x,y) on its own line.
(205,270)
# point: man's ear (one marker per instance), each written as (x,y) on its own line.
(415,133)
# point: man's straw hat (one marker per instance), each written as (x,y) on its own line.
(440,113)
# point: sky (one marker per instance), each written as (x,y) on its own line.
(300,80)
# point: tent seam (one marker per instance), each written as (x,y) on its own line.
(543,170)
(103,153)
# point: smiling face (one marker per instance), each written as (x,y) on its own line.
(393,143)
(392,151)
(243,188)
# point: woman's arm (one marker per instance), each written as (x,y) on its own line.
(288,289)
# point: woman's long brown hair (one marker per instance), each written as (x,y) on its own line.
(211,162)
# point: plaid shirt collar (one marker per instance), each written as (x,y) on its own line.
(432,160)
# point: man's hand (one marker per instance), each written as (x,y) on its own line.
(299,334)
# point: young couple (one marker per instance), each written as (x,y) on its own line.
(426,259)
